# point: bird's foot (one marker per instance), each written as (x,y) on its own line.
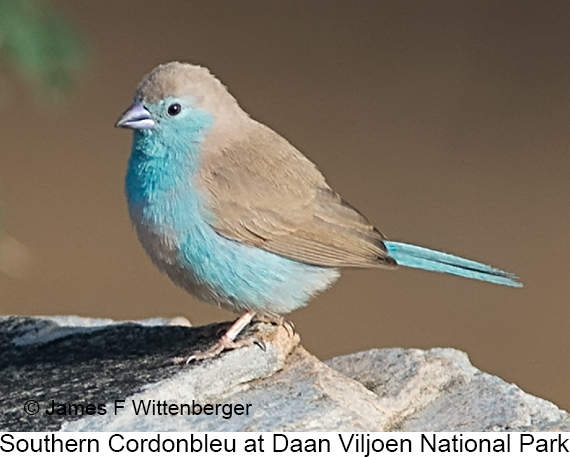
(276,319)
(226,342)
(223,344)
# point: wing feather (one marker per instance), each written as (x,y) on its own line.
(263,192)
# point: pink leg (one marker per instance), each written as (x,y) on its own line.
(227,341)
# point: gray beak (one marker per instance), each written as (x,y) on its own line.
(136,117)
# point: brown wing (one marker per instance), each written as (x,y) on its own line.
(263,192)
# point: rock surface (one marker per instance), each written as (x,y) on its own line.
(68,360)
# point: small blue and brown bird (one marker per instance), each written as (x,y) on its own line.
(237,216)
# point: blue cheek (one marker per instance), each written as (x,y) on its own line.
(173,135)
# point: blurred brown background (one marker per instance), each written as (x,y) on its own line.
(445,122)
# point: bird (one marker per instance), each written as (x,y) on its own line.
(238,217)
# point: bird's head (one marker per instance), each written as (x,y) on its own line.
(179,103)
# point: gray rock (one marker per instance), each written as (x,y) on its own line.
(439,390)
(75,361)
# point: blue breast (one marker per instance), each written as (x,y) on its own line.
(168,213)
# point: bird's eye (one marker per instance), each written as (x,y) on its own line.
(174,109)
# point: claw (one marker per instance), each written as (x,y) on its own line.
(180,360)
(289,326)
(260,344)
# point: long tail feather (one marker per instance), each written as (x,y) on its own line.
(412,256)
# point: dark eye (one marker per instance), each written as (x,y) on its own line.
(174,109)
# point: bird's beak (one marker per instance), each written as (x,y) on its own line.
(136,117)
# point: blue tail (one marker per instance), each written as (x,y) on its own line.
(412,256)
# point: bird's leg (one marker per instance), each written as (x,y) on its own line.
(227,341)
(276,319)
